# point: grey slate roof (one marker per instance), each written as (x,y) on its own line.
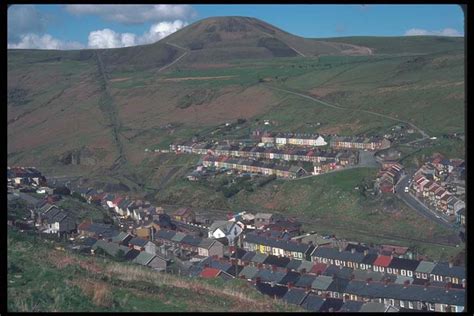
(444,270)
(138,242)
(425,267)
(322,282)
(293,264)
(373,307)
(267,275)
(143,258)
(295,296)
(282,244)
(306,265)
(351,306)
(312,303)
(430,294)
(259,257)
(165,234)
(335,254)
(249,272)
(248,256)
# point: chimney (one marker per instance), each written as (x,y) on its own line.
(352,276)
(290,285)
(340,249)
(368,280)
(308,288)
(450,264)
(318,273)
(447,286)
(257,280)
(366,252)
(406,283)
(274,268)
(303,271)
(385,282)
(353,250)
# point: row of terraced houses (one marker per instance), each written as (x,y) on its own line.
(266,168)
(437,272)
(310,155)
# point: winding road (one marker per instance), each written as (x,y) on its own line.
(423,133)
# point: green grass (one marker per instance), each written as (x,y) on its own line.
(43,279)
(404,44)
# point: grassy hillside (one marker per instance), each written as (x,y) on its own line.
(44,279)
(334,203)
(403,44)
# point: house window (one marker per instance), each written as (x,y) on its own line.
(300,255)
(404,273)
(410,273)
(382,269)
(376,269)
(431,307)
(424,276)
(392,301)
(389,270)
(402,304)
(338,263)
(410,305)
(336,295)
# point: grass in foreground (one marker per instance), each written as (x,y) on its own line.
(43,279)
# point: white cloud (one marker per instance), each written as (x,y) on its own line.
(108,38)
(443,32)
(134,14)
(46,41)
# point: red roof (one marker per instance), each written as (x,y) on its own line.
(383,261)
(318,267)
(396,249)
(210,273)
(182,211)
(83,225)
(117,200)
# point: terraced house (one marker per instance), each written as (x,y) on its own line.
(372,143)
(266,168)
(263,243)
(298,139)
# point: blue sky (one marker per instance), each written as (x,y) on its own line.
(98,26)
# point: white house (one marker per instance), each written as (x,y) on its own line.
(320,141)
(228,229)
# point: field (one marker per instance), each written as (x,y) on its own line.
(44,279)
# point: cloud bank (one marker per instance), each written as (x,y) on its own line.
(108,38)
(46,41)
(443,32)
(134,14)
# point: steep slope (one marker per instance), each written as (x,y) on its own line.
(226,38)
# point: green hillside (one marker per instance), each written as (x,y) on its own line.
(404,44)
(42,278)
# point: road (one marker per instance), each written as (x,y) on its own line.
(418,206)
(177,59)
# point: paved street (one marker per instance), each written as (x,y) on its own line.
(418,206)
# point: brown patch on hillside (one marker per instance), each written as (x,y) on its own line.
(405,87)
(230,105)
(321,92)
(99,291)
(209,66)
(119,79)
(338,128)
(195,78)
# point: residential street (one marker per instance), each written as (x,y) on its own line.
(416,205)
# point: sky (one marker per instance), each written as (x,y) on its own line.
(110,26)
